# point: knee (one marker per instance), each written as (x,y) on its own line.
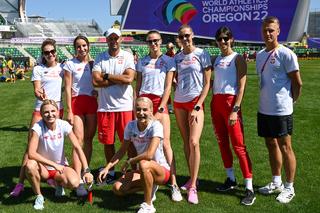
(31,166)
(193,143)
(117,189)
(74,183)
(144,165)
(286,149)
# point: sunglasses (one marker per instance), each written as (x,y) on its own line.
(225,39)
(49,51)
(153,41)
(181,37)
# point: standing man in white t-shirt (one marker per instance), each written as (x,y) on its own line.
(112,73)
(280,87)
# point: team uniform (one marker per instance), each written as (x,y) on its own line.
(153,72)
(142,139)
(225,90)
(190,69)
(275,102)
(115,102)
(51,142)
(51,81)
(83,102)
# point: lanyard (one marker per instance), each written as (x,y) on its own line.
(267,60)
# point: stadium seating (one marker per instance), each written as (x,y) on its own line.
(12,51)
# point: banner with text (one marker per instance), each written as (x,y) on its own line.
(244,17)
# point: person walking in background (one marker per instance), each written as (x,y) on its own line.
(154,78)
(81,101)
(46,153)
(280,87)
(47,82)
(11,69)
(193,83)
(230,71)
(113,73)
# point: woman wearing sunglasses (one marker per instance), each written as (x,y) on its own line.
(47,81)
(154,78)
(193,83)
(81,101)
(230,70)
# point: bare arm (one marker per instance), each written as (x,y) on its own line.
(167,88)
(67,85)
(126,78)
(98,81)
(38,91)
(296,84)
(206,86)
(138,83)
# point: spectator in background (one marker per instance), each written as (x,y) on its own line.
(113,73)
(280,87)
(154,78)
(81,101)
(230,71)
(178,45)
(11,69)
(135,56)
(47,82)
(193,77)
(170,49)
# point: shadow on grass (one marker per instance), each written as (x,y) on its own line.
(15,128)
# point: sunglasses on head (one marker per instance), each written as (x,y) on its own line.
(225,39)
(49,51)
(184,36)
(153,41)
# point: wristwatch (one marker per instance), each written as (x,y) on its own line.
(197,108)
(160,109)
(106,76)
(235,108)
(87,170)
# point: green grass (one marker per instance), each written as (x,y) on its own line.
(15,113)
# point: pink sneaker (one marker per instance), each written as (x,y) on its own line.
(187,185)
(193,196)
(17,190)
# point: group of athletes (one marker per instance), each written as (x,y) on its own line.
(99,93)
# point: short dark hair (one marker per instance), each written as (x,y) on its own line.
(271,19)
(153,32)
(224,30)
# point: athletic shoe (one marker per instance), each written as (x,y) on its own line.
(145,208)
(187,185)
(153,193)
(249,198)
(227,185)
(17,190)
(193,196)
(175,193)
(59,191)
(271,188)
(286,195)
(38,203)
(81,191)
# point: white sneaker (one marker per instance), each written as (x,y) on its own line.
(38,203)
(145,208)
(175,193)
(153,193)
(286,195)
(59,191)
(271,188)
(81,191)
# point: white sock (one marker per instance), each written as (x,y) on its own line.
(277,180)
(248,183)
(230,174)
(112,173)
(288,185)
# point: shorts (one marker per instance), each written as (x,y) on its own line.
(52,173)
(274,126)
(156,100)
(38,114)
(188,106)
(111,122)
(84,105)
(166,175)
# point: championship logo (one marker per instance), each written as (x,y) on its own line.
(179,10)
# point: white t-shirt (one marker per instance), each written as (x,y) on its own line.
(81,77)
(275,84)
(141,140)
(51,81)
(225,75)
(118,97)
(154,73)
(190,70)
(51,143)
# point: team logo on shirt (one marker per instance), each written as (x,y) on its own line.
(272,60)
(52,137)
